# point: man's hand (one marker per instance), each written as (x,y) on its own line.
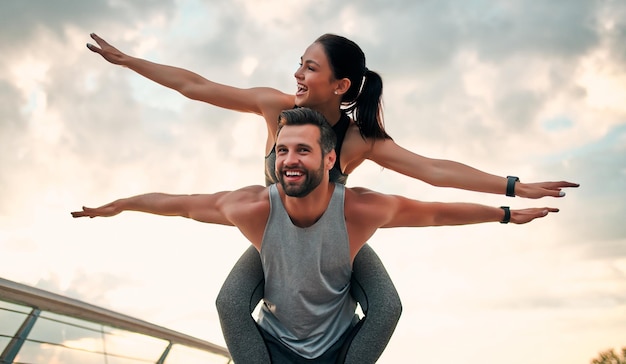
(527,215)
(542,189)
(106,50)
(108,210)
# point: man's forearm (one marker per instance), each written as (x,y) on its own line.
(467,213)
(153,203)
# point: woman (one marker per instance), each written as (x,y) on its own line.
(334,80)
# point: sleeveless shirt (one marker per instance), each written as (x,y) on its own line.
(336,175)
(307,302)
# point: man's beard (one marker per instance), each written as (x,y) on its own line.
(312,179)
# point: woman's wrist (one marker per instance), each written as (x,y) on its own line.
(512,184)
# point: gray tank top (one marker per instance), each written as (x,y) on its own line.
(307,301)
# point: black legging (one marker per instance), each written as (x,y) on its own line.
(371,287)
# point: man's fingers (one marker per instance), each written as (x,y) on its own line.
(86,212)
(76,214)
(546,210)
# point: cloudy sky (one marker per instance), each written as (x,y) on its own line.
(530,88)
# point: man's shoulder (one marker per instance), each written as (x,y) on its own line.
(362,193)
(252,189)
(361,197)
(366,210)
(251,194)
(365,200)
(247,202)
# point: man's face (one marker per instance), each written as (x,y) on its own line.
(300,166)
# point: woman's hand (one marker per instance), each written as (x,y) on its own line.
(542,189)
(107,51)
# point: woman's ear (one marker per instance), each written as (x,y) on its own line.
(343,86)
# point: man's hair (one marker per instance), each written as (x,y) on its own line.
(306,116)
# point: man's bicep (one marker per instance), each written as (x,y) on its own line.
(209,208)
(405,212)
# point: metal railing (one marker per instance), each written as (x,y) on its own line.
(39,301)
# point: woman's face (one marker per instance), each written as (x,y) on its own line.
(316,83)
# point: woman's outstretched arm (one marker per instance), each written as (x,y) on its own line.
(445,173)
(256,100)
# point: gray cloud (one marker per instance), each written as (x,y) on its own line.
(558,29)
(519,108)
(418,37)
(21,20)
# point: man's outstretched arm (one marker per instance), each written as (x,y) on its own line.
(407,212)
(205,208)
(446,214)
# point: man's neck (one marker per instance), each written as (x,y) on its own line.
(305,211)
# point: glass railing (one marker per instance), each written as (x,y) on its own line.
(37,326)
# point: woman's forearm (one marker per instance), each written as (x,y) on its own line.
(446,173)
(175,78)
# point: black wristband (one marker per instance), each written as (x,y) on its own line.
(510,185)
(507,215)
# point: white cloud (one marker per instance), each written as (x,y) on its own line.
(604,82)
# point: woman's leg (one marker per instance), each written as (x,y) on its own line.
(373,289)
(241,292)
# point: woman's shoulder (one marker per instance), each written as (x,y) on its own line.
(271,103)
(274,101)
(360,144)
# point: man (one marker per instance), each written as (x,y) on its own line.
(308,232)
